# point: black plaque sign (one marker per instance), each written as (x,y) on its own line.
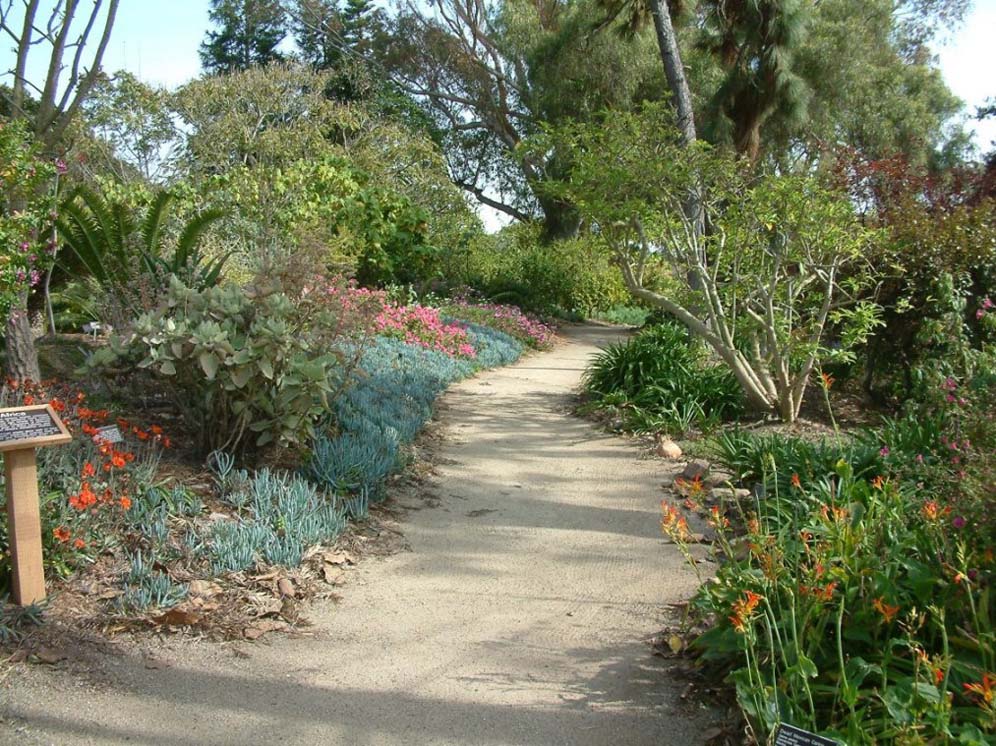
(27,427)
(109,434)
(789,735)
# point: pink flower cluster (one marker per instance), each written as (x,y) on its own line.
(508,319)
(414,324)
(987,305)
(423,326)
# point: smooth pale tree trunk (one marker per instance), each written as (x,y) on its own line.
(22,358)
(667,41)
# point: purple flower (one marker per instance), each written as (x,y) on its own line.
(883,451)
(958,522)
(35,277)
(60,166)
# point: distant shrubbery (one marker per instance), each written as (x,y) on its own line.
(565,277)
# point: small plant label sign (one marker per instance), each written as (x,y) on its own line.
(22,430)
(789,735)
(109,434)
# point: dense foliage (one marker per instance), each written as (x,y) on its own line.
(663,382)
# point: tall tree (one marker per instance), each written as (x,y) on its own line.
(49,106)
(248,33)
(490,73)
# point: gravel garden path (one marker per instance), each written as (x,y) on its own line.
(521,615)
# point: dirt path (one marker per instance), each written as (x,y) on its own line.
(519,617)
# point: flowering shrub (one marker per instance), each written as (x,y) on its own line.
(86,486)
(858,603)
(854,608)
(27,201)
(508,319)
(423,326)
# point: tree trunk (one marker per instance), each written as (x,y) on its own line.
(681,95)
(22,358)
(673,69)
(561,220)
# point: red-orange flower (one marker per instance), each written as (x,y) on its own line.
(156,430)
(61,534)
(878,482)
(887,611)
(125,502)
(79,543)
(796,482)
(88,470)
(826,380)
(28,400)
(118,459)
(983,689)
(742,610)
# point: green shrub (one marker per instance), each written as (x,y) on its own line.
(664,380)
(564,277)
(624,315)
(242,370)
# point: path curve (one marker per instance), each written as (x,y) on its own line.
(520,615)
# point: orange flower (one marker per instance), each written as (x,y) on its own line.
(79,543)
(825,593)
(61,534)
(57,405)
(796,482)
(89,430)
(125,502)
(743,608)
(118,459)
(887,611)
(932,511)
(156,430)
(716,520)
(878,482)
(826,380)
(673,523)
(88,470)
(984,689)
(839,515)
(28,400)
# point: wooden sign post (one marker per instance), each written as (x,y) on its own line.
(22,429)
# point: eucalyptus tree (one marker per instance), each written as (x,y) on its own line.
(490,74)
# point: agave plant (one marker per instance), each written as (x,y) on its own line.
(123,249)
